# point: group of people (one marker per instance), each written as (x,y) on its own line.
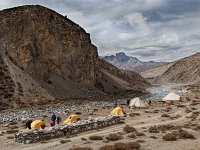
(37,124)
(55,119)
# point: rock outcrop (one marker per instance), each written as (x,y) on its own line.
(57,55)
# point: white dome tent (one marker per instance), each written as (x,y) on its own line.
(137,103)
(172,97)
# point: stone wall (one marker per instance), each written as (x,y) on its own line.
(33,136)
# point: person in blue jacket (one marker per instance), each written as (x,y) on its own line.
(53,119)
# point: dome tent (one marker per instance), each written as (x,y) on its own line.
(71,118)
(37,124)
(172,97)
(118,111)
(137,103)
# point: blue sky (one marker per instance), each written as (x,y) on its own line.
(159,30)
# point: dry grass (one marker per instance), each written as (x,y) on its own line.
(11,131)
(64,141)
(180,134)
(134,114)
(81,148)
(114,137)
(170,137)
(140,141)
(129,129)
(78,113)
(153,129)
(139,133)
(121,146)
(185,135)
(132,135)
(10,137)
(95,137)
(165,115)
(153,137)
(83,139)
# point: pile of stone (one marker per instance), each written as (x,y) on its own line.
(33,136)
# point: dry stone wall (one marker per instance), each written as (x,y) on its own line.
(33,136)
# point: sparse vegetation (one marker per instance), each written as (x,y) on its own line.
(134,114)
(153,129)
(170,137)
(95,137)
(10,137)
(153,137)
(180,134)
(114,137)
(139,133)
(185,135)
(64,141)
(165,115)
(83,139)
(81,148)
(121,146)
(129,129)
(132,135)
(11,131)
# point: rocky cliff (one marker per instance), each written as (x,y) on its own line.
(58,56)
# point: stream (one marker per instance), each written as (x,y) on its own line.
(158,92)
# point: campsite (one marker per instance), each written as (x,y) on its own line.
(151,123)
(99,75)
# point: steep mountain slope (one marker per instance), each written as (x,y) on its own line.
(56,55)
(122,61)
(152,73)
(186,70)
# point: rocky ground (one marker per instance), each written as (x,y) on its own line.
(158,127)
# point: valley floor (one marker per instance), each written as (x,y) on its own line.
(184,115)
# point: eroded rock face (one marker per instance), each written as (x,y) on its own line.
(58,55)
(41,42)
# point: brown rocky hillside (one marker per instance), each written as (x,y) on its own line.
(186,70)
(49,57)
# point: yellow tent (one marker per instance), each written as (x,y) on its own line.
(72,118)
(118,111)
(37,124)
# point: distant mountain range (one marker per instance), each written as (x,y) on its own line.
(122,61)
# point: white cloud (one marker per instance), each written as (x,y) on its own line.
(148,29)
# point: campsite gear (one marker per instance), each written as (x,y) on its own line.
(118,111)
(28,124)
(172,97)
(137,103)
(58,120)
(72,118)
(37,124)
